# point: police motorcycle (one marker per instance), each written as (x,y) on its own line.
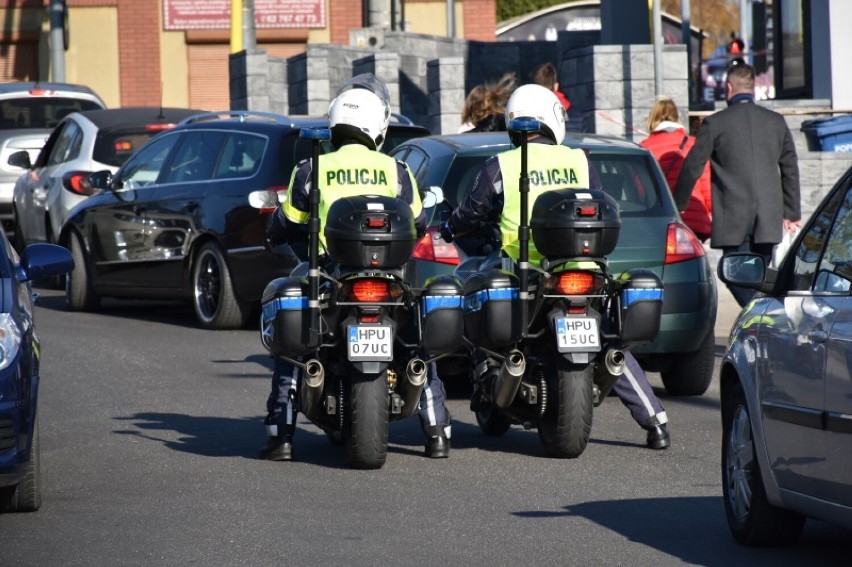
(362,337)
(548,341)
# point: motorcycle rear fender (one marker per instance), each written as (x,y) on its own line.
(368,369)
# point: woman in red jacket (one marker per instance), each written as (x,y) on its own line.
(669,142)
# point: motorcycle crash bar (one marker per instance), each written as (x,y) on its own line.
(509,379)
(412,385)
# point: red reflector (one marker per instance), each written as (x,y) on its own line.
(368,319)
(682,245)
(575,283)
(577,310)
(158,127)
(370,291)
(433,248)
(587,211)
(376,222)
(123,146)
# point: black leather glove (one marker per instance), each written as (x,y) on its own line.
(446,231)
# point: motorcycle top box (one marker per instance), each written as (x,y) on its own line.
(370,231)
(575,223)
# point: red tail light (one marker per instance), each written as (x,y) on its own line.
(158,127)
(434,249)
(78,182)
(576,283)
(370,291)
(682,245)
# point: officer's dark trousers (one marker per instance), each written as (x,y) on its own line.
(635,392)
(432,409)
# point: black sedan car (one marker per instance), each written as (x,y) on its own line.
(652,236)
(174,222)
(20,351)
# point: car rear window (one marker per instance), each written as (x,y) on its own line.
(38,112)
(114,145)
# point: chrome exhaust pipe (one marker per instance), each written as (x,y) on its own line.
(614,361)
(310,392)
(412,385)
(509,379)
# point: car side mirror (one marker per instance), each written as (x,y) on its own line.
(743,269)
(21,159)
(101,180)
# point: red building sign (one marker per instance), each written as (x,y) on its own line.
(216,14)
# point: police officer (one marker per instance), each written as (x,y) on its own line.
(547,154)
(358,117)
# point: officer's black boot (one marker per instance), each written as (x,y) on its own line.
(279,441)
(658,437)
(437,442)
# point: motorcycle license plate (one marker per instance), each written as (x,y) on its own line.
(577,334)
(370,342)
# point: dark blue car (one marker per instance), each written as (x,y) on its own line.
(19,364)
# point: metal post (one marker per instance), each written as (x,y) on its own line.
(451,18)
(525,126)
(249,34)
(686,34)
(658,49)
(317,136)
(745,17)
(57,40)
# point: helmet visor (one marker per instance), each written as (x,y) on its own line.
(369,82)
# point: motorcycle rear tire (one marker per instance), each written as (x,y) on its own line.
(565,427)
(366,425)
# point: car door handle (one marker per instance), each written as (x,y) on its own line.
(818,336)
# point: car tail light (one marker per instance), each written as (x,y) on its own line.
(78,182)
(159,127)
(434,249)
(371,291)
(682,245)
(577,283)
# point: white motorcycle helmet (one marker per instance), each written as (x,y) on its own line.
(540,103)
(360,112)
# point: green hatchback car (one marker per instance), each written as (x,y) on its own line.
(652,236)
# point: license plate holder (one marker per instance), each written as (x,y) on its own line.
(577,334)
(369,343)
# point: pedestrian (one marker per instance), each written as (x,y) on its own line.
(358,118)
(670,143)
(484,106)
(754,174)
(545,151)
(545,75)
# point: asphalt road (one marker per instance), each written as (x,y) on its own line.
(151,426)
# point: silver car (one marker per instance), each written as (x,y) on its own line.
(28,114)
(786,388)
(82,143)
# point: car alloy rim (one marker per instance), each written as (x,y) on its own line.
(739,463)
(208,285)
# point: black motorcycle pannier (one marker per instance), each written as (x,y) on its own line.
(443,323)
(285,319)
(575,222)
(641,305)
(370,231)
(492,309)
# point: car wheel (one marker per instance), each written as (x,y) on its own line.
(690,373)
(26,495)
(216,305)
(79,293)
(751,518)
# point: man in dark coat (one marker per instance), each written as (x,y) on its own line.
(754,174)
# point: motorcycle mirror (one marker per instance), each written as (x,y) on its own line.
(315,134)
(524,125)
(432,196)
(263,199)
